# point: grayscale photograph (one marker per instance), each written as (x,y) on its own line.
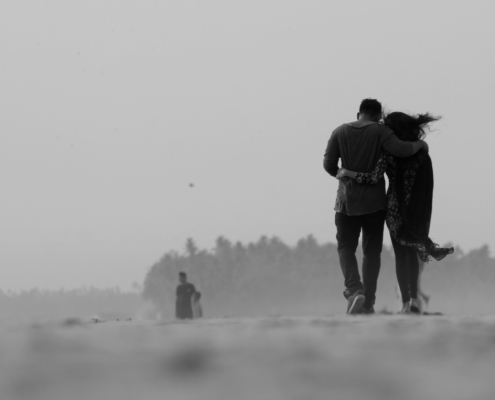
(247,200)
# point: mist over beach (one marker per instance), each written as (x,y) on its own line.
(110,111)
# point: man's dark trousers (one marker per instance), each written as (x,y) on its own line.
(348,232)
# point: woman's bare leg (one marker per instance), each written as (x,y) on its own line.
(422,295)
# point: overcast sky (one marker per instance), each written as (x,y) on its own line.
(110,109)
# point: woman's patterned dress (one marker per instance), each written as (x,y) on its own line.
(387,164)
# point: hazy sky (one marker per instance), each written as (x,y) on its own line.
(109,109)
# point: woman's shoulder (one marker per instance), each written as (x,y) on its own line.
(417,159)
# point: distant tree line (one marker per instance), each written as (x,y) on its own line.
(266,277)
(269,277)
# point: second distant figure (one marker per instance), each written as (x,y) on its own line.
(183,302)
(196,305)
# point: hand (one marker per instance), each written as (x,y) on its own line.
(341,173)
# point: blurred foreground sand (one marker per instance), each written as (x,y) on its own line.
(339,357)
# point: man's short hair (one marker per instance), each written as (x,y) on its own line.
(183,274)
(371,107)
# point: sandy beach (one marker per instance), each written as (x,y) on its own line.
(331,357)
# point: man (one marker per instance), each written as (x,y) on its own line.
(362,207)
(183,303)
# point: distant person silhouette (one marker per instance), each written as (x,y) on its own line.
(196,305)
(183,302)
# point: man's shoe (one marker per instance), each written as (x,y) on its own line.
(415,307)
(355,303)
(406,308)
(370,310)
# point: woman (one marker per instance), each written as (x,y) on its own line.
(409,204)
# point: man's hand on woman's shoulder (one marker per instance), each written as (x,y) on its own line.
(420,144)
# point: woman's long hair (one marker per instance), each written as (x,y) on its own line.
(409,128)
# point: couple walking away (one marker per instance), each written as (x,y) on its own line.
(367,150)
